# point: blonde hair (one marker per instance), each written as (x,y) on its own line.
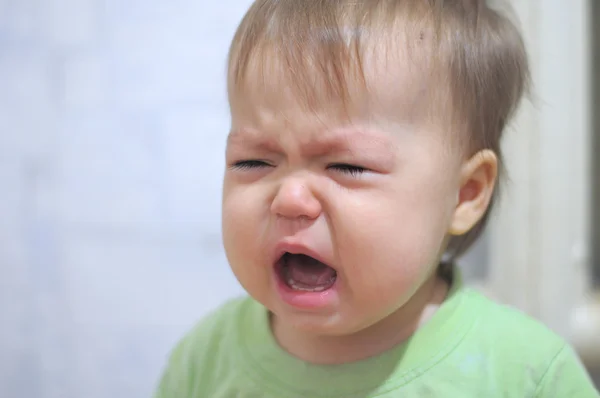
(474,52)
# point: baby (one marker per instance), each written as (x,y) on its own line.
(363,159)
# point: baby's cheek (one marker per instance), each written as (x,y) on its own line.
(237,228)
(399,252)
(402,261)
(242,251)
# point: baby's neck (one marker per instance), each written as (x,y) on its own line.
(372,341)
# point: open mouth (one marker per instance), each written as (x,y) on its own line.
(304,273)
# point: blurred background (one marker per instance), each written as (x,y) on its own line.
(113,119)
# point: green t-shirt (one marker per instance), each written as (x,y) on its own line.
(471,347)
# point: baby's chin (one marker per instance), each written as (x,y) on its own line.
(344,321)
(373,311)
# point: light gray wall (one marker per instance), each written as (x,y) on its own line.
(112,125)
(596,140)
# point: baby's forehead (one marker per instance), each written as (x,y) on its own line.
(365,59)
(379,83)
(330,46)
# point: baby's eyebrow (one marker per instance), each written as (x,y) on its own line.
(240,135)
(351,139)
(250,138)
(365,143)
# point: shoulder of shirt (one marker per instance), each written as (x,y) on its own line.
(198,359)
(212,325)
(512,332)
(212,334)
(536,354)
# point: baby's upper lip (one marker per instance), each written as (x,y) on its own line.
(297,247)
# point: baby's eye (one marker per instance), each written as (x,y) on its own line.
(352,170)
(249,164)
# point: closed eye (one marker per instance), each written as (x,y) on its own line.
(344,168)
(249,165)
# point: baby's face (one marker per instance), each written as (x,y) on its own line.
(370,198)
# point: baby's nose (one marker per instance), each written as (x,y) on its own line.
(294,200)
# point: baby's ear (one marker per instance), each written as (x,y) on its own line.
(478,178)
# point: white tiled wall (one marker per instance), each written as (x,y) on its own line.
(112,127)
